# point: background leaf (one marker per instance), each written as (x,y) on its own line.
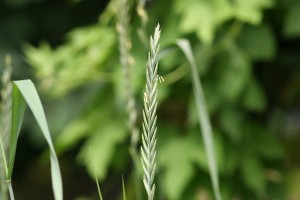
(253,175)
(291,26)
(258,42)
(254,98)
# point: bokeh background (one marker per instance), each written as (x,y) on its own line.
(248,56)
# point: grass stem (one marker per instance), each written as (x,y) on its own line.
(10,189)
(124,49)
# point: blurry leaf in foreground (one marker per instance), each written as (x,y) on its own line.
(24,91)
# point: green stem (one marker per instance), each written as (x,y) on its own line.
(10,189)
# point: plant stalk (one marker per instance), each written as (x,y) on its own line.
(10,189)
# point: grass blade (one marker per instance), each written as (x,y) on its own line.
(203,116)
(95,175)
(25,91)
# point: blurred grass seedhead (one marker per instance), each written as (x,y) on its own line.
(5,118)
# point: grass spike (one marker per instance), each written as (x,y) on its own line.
(122,28)
(148,149)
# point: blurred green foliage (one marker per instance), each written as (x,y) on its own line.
(236,44)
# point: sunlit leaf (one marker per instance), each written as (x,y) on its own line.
(103,142)
(203,17)
(251,11)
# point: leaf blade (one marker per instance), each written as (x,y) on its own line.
(27,89)
(203,116)
(18,110)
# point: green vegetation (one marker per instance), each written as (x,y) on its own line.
(227,106)
(24,92)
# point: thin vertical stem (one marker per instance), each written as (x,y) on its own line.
(10,189)
(124,49)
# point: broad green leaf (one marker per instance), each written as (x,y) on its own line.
(203,116)
(176,179)
(186,151)
(258,42)
(251,11)
(232,73)
(103,142)
(203,17)
(199,18)
(254,98)
(231,160)
(291,24)
(89,121)
(76,62)
(269,147)
(72,134)
(24,91)
(216,100)
(231,121)
(253,174)
(266,143)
